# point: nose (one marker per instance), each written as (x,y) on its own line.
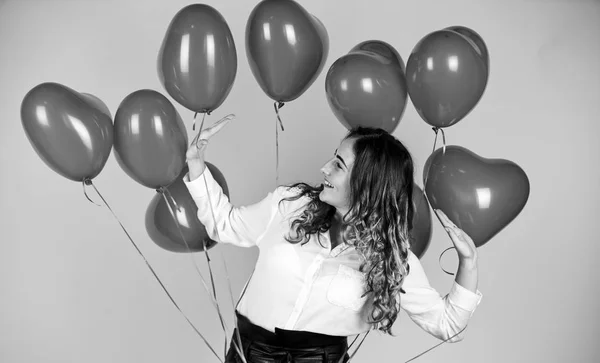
(325,169)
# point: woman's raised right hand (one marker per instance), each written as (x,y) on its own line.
(195,153)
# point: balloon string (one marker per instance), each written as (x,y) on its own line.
(277,106)
(359,344)
(235,320)
(436,129)
(435,346)
(153,272)
(447,249)
(196,114)
(84,183)
(238,345)
(355,350)
(166,192)
(410,360)
(440,260)
(195,140)
(426,174)
(216,232)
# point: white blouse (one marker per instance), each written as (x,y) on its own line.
(312,287)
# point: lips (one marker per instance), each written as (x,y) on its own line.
(327,184)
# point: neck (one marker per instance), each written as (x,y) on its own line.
(335,230)
(339,215)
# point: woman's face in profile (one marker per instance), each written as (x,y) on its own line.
(336,171)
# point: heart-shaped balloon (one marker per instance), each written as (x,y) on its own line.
(70,134)
(421,230)
(367,86)
(163,229)
(197,61)
(446,77)
(150,139)
(286,48)
(481,196)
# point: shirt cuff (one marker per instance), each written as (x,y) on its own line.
(196,187)
(463,298)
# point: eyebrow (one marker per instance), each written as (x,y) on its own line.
(341,159)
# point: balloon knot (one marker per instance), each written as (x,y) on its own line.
(280,104)
(87,181)
(160,190)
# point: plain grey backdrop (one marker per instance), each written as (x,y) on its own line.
(73,288)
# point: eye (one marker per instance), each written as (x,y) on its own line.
(338,165)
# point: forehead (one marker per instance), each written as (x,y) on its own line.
(346,150)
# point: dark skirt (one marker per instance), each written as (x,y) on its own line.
(285,346)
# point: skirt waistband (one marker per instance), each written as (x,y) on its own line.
(286,338)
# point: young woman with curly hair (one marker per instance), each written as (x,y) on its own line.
(335,259)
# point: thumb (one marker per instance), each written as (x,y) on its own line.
(201,144)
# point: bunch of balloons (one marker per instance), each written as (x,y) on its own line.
(286,47)
(445,77)
(447,73)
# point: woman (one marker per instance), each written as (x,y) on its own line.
(334,260)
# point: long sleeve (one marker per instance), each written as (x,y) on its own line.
(241,226)
(440,316)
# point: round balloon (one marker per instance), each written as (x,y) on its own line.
(446,77)
(481,196)
(476,41)
(420,232)
(286,48)
(69,134)
(96,103)
(167,232)
(197,61)
(150,139)
(367,86)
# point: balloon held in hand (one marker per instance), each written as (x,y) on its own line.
(481,196)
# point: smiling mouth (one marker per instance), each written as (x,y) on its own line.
(327,184)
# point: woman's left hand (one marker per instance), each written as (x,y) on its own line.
(465,247)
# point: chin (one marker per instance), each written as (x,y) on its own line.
(323,198)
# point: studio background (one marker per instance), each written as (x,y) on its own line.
(73,288)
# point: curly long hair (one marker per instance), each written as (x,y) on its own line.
(378,221)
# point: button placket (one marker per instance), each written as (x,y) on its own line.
(309,279)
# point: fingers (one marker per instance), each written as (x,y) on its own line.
(453,229)
(449,226)
(200,141)
(209,132)
(196,150)
(445,220)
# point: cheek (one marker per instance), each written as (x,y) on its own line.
(344,191)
